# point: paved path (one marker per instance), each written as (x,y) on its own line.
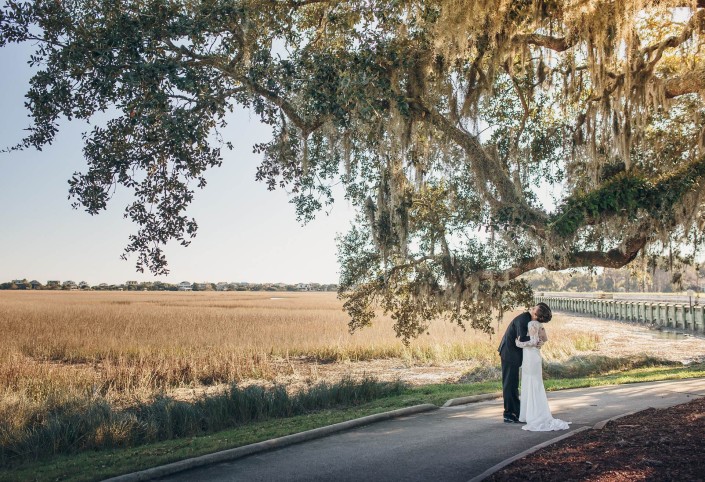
(449,444)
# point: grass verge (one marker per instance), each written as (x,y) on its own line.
(89,466)
(90,424)
(645,374)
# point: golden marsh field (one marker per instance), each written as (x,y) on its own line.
(130,345)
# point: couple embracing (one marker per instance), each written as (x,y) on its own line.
(521,348)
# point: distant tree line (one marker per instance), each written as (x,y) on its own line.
(24,284)
(647,276)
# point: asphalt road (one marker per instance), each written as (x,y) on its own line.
(449,444)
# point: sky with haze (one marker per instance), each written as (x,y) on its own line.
(246,233)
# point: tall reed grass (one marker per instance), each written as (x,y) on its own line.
(91,423)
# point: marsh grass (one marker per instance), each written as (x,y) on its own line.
(127,345)
(595,365)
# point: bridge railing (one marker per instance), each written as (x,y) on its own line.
(668,315)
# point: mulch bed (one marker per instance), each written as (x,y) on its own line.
(654,445)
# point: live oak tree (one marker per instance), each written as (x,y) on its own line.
(479,140)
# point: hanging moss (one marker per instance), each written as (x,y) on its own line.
(627,195)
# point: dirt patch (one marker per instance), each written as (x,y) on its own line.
(653,445)
(302,374)
(624,339)
(617,339)
(413,373)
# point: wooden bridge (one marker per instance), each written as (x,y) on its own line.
(679,316)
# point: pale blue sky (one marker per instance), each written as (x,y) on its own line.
(246,233)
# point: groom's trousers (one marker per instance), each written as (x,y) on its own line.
(510,388)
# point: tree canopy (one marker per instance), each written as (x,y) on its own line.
(478,139)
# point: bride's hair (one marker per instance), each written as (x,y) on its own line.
(543,313)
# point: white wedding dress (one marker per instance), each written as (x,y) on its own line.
(534,409)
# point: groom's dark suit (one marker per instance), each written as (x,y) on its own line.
(512,357)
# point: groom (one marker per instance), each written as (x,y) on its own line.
(512,357)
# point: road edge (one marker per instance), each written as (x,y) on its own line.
(521,455)
(271,444)
(601,425)
(598,426)
(472,399)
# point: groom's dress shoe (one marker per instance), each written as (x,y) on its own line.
(511,419)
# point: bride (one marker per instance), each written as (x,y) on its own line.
(534,409)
